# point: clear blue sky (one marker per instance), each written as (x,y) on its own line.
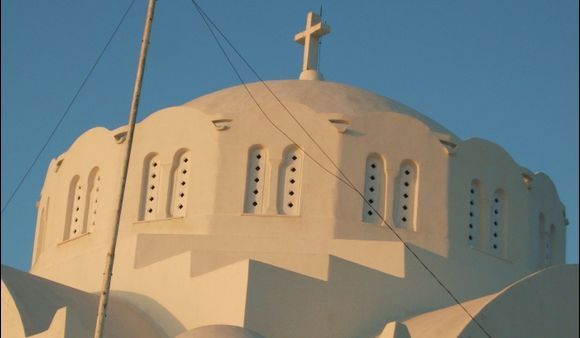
(506,71)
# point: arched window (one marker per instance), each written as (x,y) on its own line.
(42,221)
(498,218)
(473,226)
(150,189)
(374,193)
(92,200)
(546,239)
(74,214)
(255,180)
(406,195)
(290,184)
(180,183)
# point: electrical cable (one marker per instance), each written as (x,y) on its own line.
(67,110)
(207,20)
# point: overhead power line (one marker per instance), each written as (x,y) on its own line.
(344,179)
(67,110)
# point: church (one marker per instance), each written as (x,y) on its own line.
(295,208)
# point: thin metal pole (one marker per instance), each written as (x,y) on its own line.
(107,275)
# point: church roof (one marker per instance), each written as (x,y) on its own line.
(321,96)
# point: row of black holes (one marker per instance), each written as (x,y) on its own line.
(292,181)
(182,194)
(255,203)
(495,223)
(152,187)
(471,202)
(78,208)
(372,189)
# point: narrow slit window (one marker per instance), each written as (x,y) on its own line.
(180,184)
(498,218)
(374,193)
(92,200)
(255,180)
(290,184)
(42,224)
(474,217)
(546,241)
(74,215)
(150,189)
(406,195)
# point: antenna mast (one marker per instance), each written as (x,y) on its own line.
(104,295)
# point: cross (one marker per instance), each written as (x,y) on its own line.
(315,29)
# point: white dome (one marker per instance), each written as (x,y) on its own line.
(219,331)
(320,96)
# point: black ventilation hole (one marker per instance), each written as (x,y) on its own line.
(78,198)
(290,204)
(373,166)
(372,189)
(97,189)
(150,210)
(94,212)
(370,213)
(372,177)
(405,195)
(291,193)
(404,207)
(495,234)
(185,160)
(79,187)
(258,168)
(153,176)
(151,198)
(472,191)
(496,200)
(256,192)
(470,214)
(76,220)
(404,219)
(371,201)
(258,156)
(407,172)
(152,187)
(471,226)
(184,171)
(93,223)
(77,209)
(182,182)
(292,181)
(471,202)
(154,164)
(495,246)
(256,180)
(294,158)
(293,169)
(74,231)
(98,178)
(470,237)
(181,195)
(180,206)
(496,211)
(255,203)
(406,184)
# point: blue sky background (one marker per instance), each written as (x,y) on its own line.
(506,71)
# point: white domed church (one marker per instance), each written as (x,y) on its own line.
(306,209)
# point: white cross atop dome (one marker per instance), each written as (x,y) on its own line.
(315,29)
